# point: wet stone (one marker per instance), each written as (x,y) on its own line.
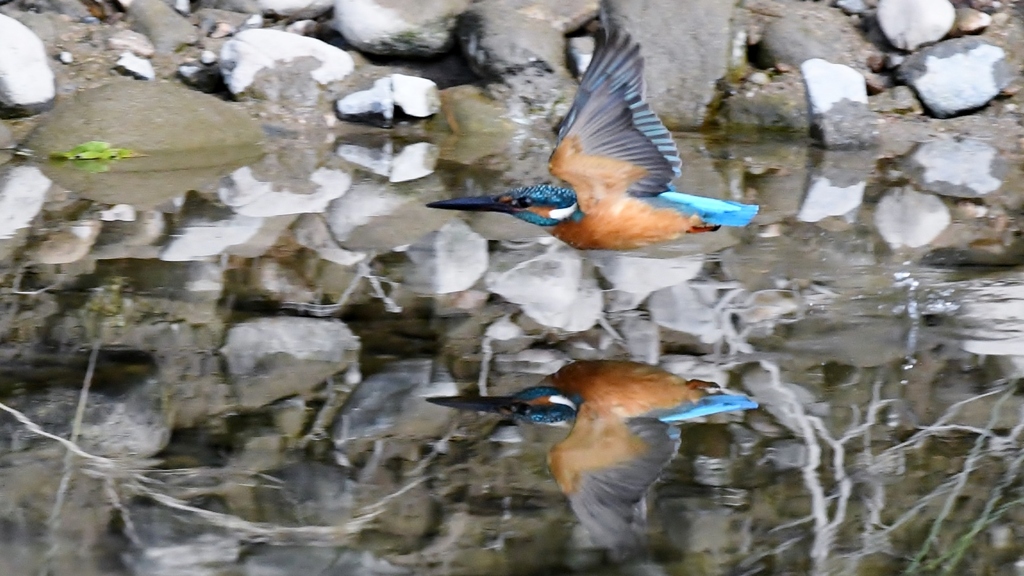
(551,287)
(912,219)
(170,545)
(201,77)
(124,416)
(686,309)
(322,561)
(392,402)
(836,187)
(451,259)
(531,361)
(958,75)
(964,168)
(272,358)
(249,196)
(315,493)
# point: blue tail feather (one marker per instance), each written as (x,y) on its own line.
(711,210)
(714,404)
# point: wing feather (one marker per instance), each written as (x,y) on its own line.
(611,141)
(605,467)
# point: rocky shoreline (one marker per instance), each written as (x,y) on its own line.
(856,74)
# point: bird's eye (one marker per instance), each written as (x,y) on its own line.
(522,202)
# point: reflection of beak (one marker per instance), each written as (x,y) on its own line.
(474,204)
(491,404)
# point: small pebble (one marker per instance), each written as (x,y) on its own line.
(136,67)
(876,62)
(118,212)
(302,28)
(207,57)
(183,7)
(66,58)
(222,30)
(971,21)
(894,60)
(759,78)
(254,21)
(852,7)
(90,20)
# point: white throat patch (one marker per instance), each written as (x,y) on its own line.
(562,213)
(559,399)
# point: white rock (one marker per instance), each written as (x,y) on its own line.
(423,28)
(958,167)
(909,218)
(825,199)
(22,193)
(136,67)
(251,51)
(208,57)
(828,84)
(415,96)
(451,259)
(957,75)
(202,239)
(131,41)
(296,8)
(66,57)
(551,288)
(26,80)
(375,105)
(251,197)
(908,24)
(413,162)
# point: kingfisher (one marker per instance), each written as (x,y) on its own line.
(621,439)
(619,160)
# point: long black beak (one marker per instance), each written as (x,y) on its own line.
(491,404)
(473,204)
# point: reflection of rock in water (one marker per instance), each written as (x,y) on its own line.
(449,260)
(551,286)
(249,196)
(911,219)
(22,193)
(271,358)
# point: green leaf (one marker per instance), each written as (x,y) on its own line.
(95,150)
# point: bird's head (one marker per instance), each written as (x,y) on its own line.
(543,205)
(539,404)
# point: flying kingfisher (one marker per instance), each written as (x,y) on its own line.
(619,160)
(620,441)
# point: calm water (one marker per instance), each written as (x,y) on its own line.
(241,355)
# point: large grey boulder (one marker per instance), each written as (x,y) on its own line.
(26,80)
(168,30)
(686,48)
(189,139)
(398,27)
